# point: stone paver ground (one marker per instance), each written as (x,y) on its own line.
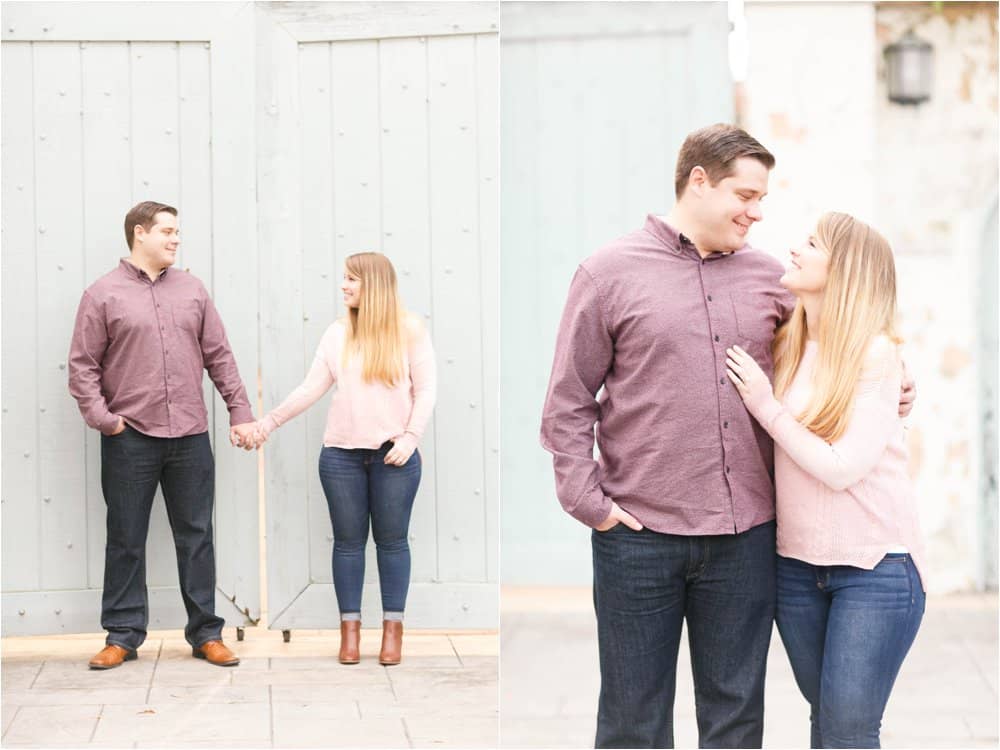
(294,694)
(945,695)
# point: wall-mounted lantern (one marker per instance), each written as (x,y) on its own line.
(909,69)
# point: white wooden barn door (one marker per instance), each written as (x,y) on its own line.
(95,121)
(596,100)
(377,126)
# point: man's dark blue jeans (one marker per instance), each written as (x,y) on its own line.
(645,585)
(847,631)
(132,465)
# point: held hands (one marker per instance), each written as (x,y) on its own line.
(749,379)
(402,449)
(247,436)
(617,516)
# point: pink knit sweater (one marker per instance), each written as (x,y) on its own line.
(849,502)
(364,415)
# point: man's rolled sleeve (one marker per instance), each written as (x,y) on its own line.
(221,366)
(86,355)
(584,352)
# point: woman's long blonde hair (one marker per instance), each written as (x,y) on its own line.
(859,304)
(375,327)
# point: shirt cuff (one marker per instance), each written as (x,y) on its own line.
(592,512)
(109,425)
(240,415)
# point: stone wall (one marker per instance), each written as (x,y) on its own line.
(926,177)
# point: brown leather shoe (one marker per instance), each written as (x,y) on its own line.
(215,652)
(112,656)
(392,643)
(350,641)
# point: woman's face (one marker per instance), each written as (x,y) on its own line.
(807,268)
(351,287)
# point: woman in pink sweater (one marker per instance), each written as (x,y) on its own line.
(850,559)
(380,359)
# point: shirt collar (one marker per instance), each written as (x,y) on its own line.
(137,273)
(675,241)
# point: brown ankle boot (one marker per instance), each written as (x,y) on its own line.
(392,643)
(350,641)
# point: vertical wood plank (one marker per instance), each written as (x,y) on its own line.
(454,206)
(356,152)
(194,149)
(553,221)
(106,185)
(280,202)
(564,196)
(155,139)
(406,241)
(320,278)
(59,264)
(651,142)
(155,125)
(487,95)
(601,92)
(195,175)
(523,466)
(20,491)
(236,293)
(357,187)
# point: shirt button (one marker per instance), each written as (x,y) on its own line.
(722,381)
(725,425)
(727,469)
(716,338)
(710,298)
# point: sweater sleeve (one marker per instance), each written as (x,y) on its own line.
(423,378)
(583,356)
(873,421)
(317,382)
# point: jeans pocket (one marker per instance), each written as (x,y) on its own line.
(617,528)
(895,557)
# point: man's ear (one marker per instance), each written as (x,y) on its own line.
(698,179)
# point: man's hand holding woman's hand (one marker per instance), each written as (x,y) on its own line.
(617,516)
(248,436)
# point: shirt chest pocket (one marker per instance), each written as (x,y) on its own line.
(755,317)
(187,316)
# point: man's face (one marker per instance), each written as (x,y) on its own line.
(729,208)
(158,246)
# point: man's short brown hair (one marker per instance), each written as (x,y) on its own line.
(145,214)
(715,149)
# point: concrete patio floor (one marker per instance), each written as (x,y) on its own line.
(945,695)
(294,694)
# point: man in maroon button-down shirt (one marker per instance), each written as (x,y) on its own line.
(681,499)
(144,335)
